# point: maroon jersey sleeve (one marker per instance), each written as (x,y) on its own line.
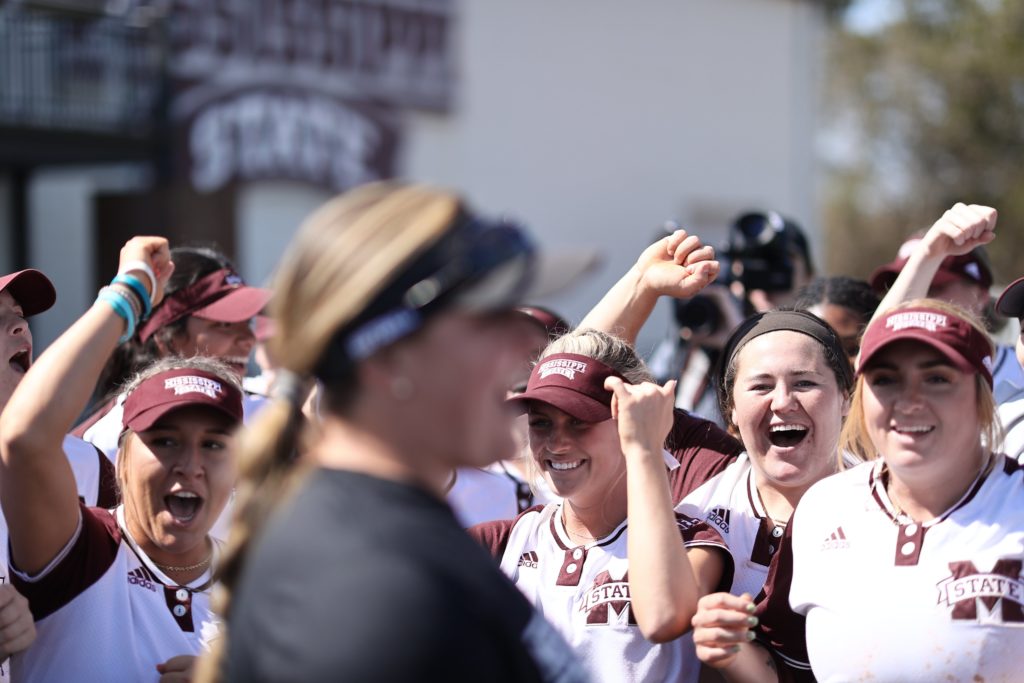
(494,535)
(82,564)
(698,533)
(780,629)
(702,448)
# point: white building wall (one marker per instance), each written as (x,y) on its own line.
(595,120)
(60,207)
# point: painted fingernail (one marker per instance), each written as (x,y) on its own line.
(752,621)
(751,607)
(734,649)
(750,635)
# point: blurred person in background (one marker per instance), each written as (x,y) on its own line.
(345,563)
(961,278)
(1011,408)
(765,261)
(262,383)
(207,311)
(845,303)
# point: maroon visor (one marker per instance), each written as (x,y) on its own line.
(180,388)
(967,348)
(221,296)
(31,289)
(572,383)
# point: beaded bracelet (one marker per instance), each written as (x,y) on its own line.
(131,297)
(136,285)
(122,306)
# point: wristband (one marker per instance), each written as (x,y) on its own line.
(122,308)
(135,284)
(145,268)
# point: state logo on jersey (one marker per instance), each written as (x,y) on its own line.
(999,592)
(607,601)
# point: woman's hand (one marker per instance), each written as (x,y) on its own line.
(644,413)
(959,230)
(721,626)
(156,253)
(678,265)
(17,627)
(177,669)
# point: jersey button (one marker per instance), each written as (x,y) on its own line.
(777,532)
(577,554)
(179,610)
(571,568)
(181,595)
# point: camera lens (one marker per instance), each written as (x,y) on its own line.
(699,315)
(756,229)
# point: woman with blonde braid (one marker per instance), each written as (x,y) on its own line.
(346,563)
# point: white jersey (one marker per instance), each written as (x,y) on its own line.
(889,600)
(104,433)
(92,477)
(105,612)
(730,504)
(584,592)
(494,492)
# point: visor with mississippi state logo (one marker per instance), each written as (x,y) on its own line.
(962,343)
(572,383)
(171,390)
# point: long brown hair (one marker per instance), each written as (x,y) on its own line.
(342,257)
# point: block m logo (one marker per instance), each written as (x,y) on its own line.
(967,587)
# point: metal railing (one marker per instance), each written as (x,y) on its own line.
(90,74)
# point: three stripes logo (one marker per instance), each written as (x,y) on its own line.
(141,576)
(719,517)
(836,541)
(529,560)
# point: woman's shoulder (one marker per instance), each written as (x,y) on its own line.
(832,495)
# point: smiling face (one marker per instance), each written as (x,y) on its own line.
(178,476)
(581,461)
(228,342)
(15,346)
(921,411)
(788,408)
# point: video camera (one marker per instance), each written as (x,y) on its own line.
(759,254)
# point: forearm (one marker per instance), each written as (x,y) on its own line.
(624,309)
(752,664)
(913,281)
(663,588)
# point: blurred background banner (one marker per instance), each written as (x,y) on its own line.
(301,90)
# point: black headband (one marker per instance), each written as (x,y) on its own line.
(789,321)
(464,256)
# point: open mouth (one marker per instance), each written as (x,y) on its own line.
(786,436)
(183,505)
(20,361)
